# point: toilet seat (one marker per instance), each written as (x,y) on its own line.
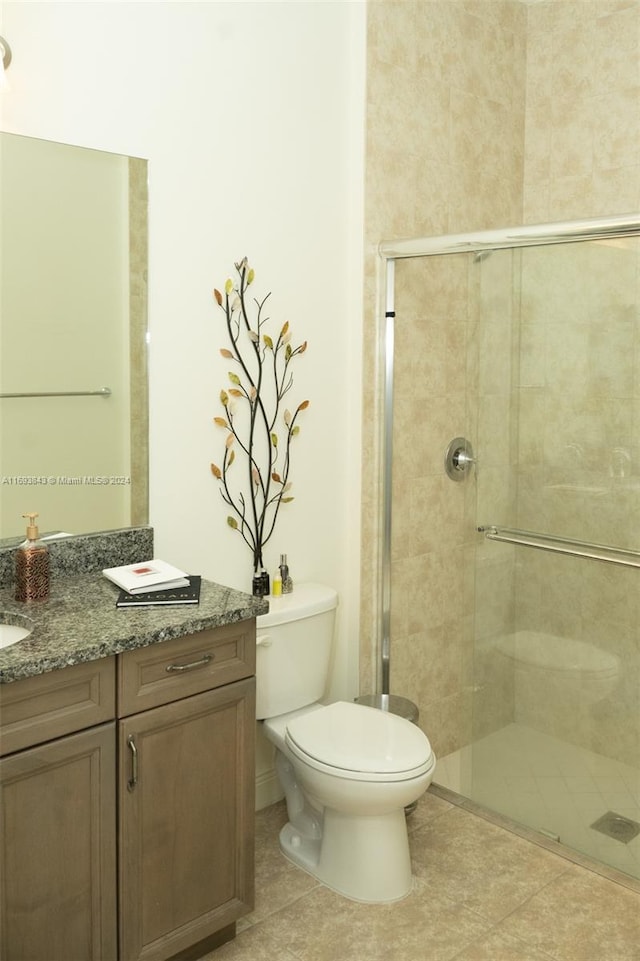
(360,743)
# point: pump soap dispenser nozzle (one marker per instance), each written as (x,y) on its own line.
(32,528)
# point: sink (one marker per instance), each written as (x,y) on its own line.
(13,628)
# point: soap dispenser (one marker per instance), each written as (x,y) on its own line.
(32,566)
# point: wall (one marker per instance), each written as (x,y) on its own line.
(578,465)
(583,110)
(251,117)
(445,134)
(582,158)
(479,115)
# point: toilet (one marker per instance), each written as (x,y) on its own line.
(348,770)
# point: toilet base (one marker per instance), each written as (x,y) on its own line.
(362,858)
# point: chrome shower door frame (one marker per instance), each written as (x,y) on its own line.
(536,235)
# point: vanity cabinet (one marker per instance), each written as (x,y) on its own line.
(186,791)
(130,836)
(58,811)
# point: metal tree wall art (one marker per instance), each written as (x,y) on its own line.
(256,462)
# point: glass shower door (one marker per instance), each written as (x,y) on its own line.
(555,740)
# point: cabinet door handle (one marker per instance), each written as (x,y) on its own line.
(133,780)
(189,667)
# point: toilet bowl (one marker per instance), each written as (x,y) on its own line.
(348,770)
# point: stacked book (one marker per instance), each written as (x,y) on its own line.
(153,583)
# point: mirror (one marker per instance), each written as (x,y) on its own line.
(73,325)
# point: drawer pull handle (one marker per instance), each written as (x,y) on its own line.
(133,780)
(189,667)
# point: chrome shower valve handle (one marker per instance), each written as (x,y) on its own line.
(459,459)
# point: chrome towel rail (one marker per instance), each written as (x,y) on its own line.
(562,545)
(101,392)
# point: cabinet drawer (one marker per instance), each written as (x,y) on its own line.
(38,709)
(154,675)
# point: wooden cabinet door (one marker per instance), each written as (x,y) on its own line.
(58,884)
(186,801)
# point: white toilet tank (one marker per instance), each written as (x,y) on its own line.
(294,649)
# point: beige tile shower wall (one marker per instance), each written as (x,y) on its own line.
(445,134)
(579,397)
(430,574)
(497,294)
(444,154)
(582,144)
(579,476)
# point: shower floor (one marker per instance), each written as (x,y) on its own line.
(551,786)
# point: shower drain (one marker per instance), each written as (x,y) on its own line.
(617,827)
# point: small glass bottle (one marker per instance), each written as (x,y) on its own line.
(260,585)
(32,566)
(287,583)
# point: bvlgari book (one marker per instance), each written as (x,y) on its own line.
(146,576)
(173,595)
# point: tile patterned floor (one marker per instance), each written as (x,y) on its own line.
(480,893)
(550,785)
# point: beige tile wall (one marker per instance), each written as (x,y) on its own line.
(579,476)
(579,400)
(480,114)
(445,138)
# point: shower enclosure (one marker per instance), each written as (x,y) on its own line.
(514,355)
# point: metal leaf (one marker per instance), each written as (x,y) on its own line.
(217,473)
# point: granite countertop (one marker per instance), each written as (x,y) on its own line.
(80,622)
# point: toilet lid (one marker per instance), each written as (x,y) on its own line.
(355,738)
